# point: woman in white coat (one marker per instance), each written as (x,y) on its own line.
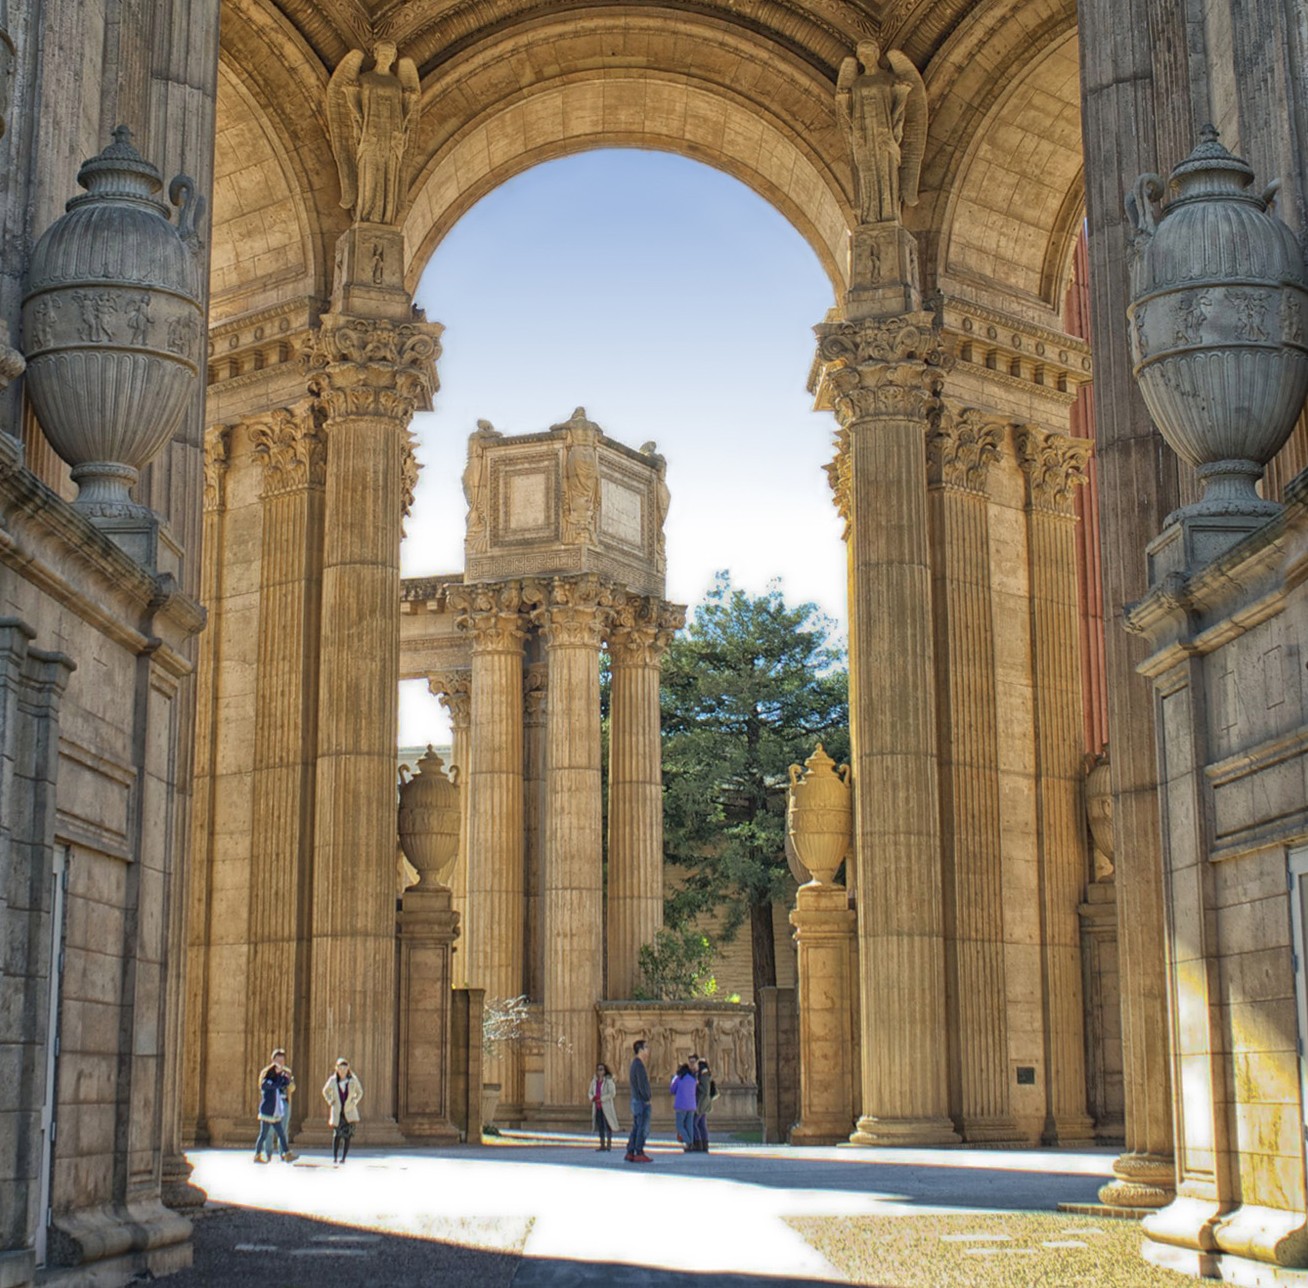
(603,1091)
(342,1091)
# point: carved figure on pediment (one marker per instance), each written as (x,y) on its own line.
(581,479)
(883,107)
(662,498)
(372,117)
(476,486)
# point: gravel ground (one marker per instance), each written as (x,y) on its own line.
(987,1250)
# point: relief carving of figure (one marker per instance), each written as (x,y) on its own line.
(138,318)
(581,479)
(662,496)
(476,485)
(372,116)
(884,111)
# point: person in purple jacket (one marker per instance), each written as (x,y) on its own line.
(684,1086)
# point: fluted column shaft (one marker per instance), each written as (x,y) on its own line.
(883,378)
(293,454)
(369,375)
(641,631)
(454,688)
(494,936)
(571,618)
(1053,465)
(961,448)
(535,756)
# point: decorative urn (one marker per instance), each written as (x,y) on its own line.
(112,323)
(1219,296)
(820,815)
(429,821)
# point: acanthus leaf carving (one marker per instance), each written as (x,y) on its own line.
(961,446)
(290,444)
(372,367)
(217,449)
(1054,465)
(570,612)
(492,613)
(454,690)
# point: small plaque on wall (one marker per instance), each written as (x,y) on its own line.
(1026,1075)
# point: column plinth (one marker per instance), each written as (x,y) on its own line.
(882,377)
(369,376)
(640,631)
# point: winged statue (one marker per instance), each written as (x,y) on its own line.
(372,117)
(883,107)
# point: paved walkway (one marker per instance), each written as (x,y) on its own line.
(554,1213)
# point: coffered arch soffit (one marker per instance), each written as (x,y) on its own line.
(1001,201)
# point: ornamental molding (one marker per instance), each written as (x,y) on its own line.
(288,442)
(370,367)
(454,690)
(570,612)
(640,628)
(492,613)
(962,444)
(217,457)
(1054,465)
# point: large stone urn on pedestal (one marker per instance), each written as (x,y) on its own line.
(820,834)
(428,927)
(112,327)
(1219,300)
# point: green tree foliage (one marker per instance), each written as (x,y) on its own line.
(676,966)
(749,688)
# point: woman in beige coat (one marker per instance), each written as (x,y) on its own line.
(603,1091)
(342,1091)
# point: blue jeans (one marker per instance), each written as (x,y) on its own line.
(266,1132)
(639,1126)
(701,1130)
(686,1126)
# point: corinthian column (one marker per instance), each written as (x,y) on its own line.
(571,617)
(882,376)
(492,615)
(960,450)
(640,630)
(534,755)
(291,448)
(370,376)
(454,689)
(1054,464)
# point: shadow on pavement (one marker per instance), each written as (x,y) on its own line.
(251,1248)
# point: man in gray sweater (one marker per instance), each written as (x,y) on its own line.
(641,1100)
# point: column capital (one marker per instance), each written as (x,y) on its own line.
(372,367)
(410,468)
(571,612)
(217,457)
(289,443)
(1054,464)
(454,689)
(882,367)
(492,613)
(535,692)
(961,445)
(640,628)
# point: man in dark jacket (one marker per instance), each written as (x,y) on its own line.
(641,1099)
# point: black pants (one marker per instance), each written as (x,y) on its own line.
(603,1128)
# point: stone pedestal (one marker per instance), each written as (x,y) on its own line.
(827,957)
(882,377)
(642,628)
(428,928)
(571,617)
(369,277)
(370,376)
(961,447)
(883,271)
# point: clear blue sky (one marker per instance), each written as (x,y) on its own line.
(675,305)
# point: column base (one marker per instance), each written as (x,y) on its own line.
(177,1191)
(990,1131)
(1141,1181)
(430,1131)
(819,1131)
(1070,1129)
(891,1132)
(372,1133)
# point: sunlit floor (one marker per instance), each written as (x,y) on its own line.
(566,1214)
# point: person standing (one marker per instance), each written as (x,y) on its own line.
(705,1090)
(280,1056)
(683,1087)
(641,1100)
(342,1091)
(273,1081)
(603,1091)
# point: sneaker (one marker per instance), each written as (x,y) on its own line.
(290,1156)
(629,1157)
(643,1157)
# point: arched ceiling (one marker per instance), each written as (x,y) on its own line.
(744,85)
